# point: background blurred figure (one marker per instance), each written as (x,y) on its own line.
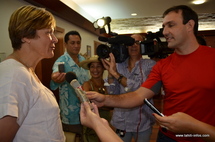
(96,83)
(126,77)
(28,110)
(68,100)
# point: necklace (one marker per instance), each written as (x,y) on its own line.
(100,88)
(30,69)
(34,75)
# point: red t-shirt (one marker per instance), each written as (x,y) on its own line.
(189,85)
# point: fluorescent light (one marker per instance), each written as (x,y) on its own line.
(198,1)
(133,14)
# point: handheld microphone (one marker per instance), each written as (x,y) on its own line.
(120,39)
(81,94)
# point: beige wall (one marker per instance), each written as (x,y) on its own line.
(6,9)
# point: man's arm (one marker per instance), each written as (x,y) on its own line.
(8,128)
(127,100)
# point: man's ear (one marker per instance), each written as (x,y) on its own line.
(190,25)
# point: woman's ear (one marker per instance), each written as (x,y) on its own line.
(24,39)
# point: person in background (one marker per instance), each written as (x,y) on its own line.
(28,110)
(187,88)
(96,83)
(68,100)
(126,77)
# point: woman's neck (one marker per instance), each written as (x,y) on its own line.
(25,60)
(97,82)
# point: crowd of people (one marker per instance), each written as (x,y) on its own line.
(29,111)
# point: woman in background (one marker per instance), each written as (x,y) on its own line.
(96,83)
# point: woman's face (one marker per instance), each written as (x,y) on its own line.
(96,69)
(43,44)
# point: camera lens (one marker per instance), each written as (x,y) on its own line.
(103,51)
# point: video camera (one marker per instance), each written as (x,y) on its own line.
(155,48)
(118,45)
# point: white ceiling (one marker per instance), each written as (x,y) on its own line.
(148,17)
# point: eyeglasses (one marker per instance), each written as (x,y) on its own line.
(137,42)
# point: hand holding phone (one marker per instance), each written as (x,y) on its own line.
(61,67)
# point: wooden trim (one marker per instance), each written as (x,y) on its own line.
(59,29)
(61,10)
(207,33)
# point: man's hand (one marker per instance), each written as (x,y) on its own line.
(58,77)
(95,97)
(177,123)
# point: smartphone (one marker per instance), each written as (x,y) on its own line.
(61,67)
(153,108)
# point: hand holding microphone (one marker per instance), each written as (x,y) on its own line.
(81,94)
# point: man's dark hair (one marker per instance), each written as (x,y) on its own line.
(187,14)
(66,37)
(201,40)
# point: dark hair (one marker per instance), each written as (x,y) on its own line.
(66,37)
(187,14)
(201,40)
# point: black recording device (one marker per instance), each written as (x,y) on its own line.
(118,46)
(155,48)
(152,107)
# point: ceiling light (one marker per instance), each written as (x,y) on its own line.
(133,14)
(198,1)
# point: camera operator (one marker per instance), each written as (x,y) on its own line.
(126,77)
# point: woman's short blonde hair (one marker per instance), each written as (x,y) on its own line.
(25,21)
